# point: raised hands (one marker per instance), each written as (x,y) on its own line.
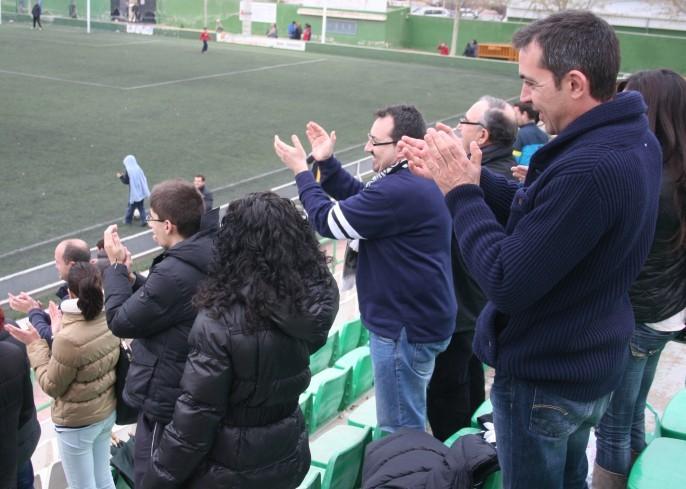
(441,156)
(23,302)
(26,336)
(55,318)
(294,157)
(116,251)
(321,142)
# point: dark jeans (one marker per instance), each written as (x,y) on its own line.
(37,20)
(148,434)
(622,429)
(204,46)
(128,217)
(456,388)
(25,476)
(541,436)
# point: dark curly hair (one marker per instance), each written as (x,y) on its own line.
(265,253)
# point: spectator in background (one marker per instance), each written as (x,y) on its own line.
(134,177)
(35,12)
(101,261)
(529,135)
(292,30)
(157,311)
(307,33)
(267,304)
(491,124)
(272,32)
(298,31)
(471,50)
(207,198)
(457,385)
(404,281)
(204,37)
(78,372)
(557,257)
(19,427)
(67,253)
(219,28)
(443,49)
(658,295)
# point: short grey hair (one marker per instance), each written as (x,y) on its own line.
(501,125)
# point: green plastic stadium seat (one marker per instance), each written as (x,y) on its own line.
(340,452)
(313,479)
(674,418)
(322,358)
(485,408)
(364,336)
(364,416)
(328,388)
(305,401)
(348,338)
(360,361)
(660,466)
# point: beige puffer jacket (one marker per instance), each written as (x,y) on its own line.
(79,373)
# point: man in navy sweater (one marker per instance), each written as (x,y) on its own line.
(404,282)
(556,257)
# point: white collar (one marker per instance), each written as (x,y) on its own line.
(69,305)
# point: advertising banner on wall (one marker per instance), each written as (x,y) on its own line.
(361,5)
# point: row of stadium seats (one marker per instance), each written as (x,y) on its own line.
(660,466)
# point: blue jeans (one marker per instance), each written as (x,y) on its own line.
(85,454)
(622,428)
(402,371)
(128,217)
(541,436)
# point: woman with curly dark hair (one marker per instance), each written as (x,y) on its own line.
(267,304)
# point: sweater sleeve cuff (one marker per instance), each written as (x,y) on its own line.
(460,194)
(304,179)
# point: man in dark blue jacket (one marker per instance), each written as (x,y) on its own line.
(157,311)
(404,282)
(556,257)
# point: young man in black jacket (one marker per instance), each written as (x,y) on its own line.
(157,311)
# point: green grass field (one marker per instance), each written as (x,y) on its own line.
(72,105)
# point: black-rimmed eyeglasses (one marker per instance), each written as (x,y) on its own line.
(466,122)
(150,219)
(374,142)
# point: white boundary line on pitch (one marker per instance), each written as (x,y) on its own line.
(159,84)
(228,73)
(54,78)
(90,44)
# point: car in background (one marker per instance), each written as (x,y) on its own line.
(432,11)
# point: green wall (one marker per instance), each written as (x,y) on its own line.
(401,30)
(100,9)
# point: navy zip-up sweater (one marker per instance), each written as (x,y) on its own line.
(404,276)
(557,257)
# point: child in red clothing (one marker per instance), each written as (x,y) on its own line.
(204,37)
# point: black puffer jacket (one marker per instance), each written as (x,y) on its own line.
(237,423)
(414,459)
(660,289)
(19,428)
(158,313)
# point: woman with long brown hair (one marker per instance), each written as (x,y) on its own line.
(658,296)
